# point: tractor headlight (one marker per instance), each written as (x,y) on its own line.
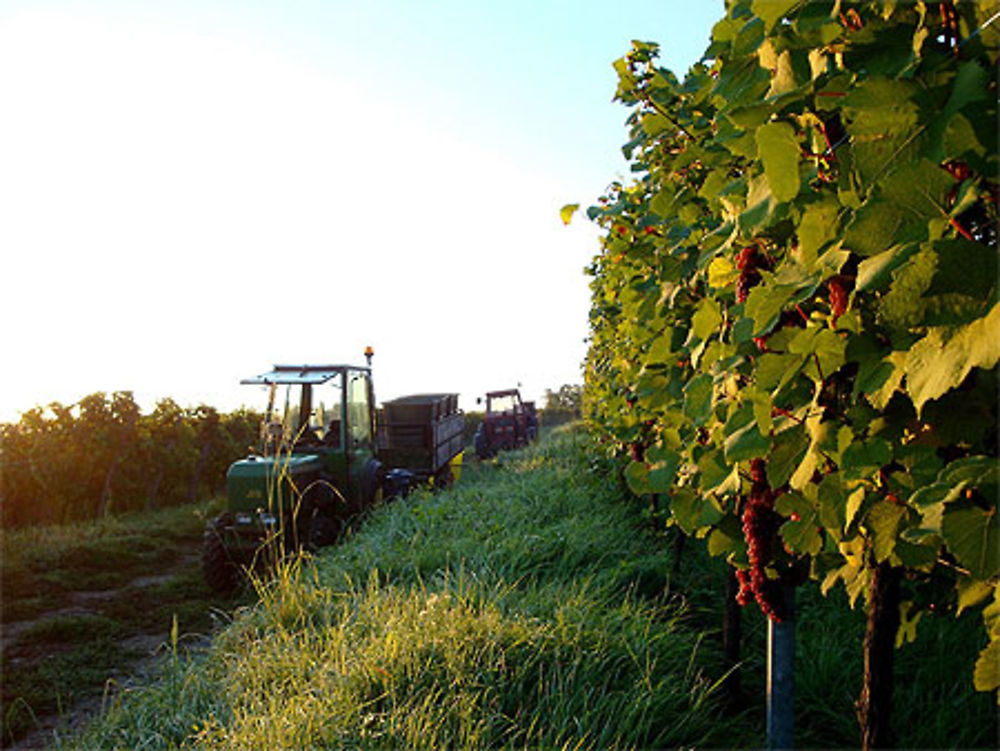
(243,518)
(268,520)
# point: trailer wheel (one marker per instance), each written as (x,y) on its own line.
(444,478)
(222,573)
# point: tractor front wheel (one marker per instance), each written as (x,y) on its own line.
(222,573)
(324,531)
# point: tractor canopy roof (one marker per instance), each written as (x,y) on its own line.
(312,374)
(504,392)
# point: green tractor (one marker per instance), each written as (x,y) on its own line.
(317,469)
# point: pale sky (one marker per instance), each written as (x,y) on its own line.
(192,191)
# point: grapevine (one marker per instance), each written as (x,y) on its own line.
(810,326)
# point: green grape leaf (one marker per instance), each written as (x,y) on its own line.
(762,405)
(818,227)
(663,464)
(706,319)
(907,631)
(960,140)
(929,495)
(761,206)
(725,30)
(802,536)
(691,512)
(745,444)
(567,211)
(899,213)
(637,477)
(970,86)
(750,117)
(787,504)
(714,470)
(978,470)
(965,280)
(882,118)
(824,351)
(883,521)
(874,272)
(726,538)
(779,150)
(653,123)
(790,447)
(972,536)
(867,455)
(987,672)
(991,614)
(721,272)
(698,398)
(772,11)
(663,202)
(879,379)
(921,554)
(880,225)
(971,592)
(904,306)
(941,360)
(920,188)
(775,370)
(832,500)
(783,78)
(764,305)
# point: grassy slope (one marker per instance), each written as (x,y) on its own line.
(525,607)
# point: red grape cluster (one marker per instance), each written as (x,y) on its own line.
(749,261)
(839,293)
(760,524)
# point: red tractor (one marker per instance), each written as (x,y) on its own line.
(509,423)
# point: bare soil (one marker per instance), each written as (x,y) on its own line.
(60,665)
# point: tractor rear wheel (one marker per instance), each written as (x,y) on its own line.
(483,449)
(222,573)
(371,485)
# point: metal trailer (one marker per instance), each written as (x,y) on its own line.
(422,434)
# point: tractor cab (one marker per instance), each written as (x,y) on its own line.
(325,408)
(317,440)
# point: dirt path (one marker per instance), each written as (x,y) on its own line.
(79,630)
(84,603)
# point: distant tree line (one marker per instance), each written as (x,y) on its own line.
(562,405)
(102,456)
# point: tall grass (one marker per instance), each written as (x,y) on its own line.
(504,612)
